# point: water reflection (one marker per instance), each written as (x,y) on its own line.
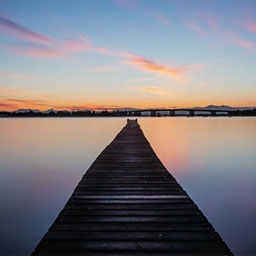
(41,161)
(218,170)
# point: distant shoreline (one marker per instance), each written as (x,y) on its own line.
(143,116)
(189,112)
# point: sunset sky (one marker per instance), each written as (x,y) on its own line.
(108,54)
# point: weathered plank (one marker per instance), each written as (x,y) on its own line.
(127,203)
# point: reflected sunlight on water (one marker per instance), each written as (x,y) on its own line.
(214,160)
(42,160)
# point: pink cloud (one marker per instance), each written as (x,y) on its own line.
(162,19)
(60,50)
(195,27)
(238,40)
(226,36)
(83,45)
(250,26)
(209,19)
(234,38)
(201,23)
(245,43)
(39,52)
(15,75)
(249,22)
(8,26)
(151,66)
(77,46)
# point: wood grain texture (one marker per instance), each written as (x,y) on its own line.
(127,203)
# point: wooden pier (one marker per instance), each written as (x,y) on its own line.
(127,203)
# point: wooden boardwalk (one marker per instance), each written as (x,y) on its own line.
(127,203)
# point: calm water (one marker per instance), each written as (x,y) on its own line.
(42,160)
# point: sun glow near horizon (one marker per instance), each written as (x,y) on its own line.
(128,54)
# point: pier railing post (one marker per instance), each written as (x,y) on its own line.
(191,112)
(172,112)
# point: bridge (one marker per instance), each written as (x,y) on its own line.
(172,112)
(127,203)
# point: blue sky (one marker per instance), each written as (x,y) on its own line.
(127,53)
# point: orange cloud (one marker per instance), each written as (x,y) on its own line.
(15,75)
(154,90)
(8,26)
(11,104)
(149,65)
(8,106)
(31,102)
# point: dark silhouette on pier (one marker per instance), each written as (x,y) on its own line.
(127,203)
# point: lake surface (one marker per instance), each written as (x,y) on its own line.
(43,159)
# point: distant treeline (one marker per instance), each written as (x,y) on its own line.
(63,113)
(105,113)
